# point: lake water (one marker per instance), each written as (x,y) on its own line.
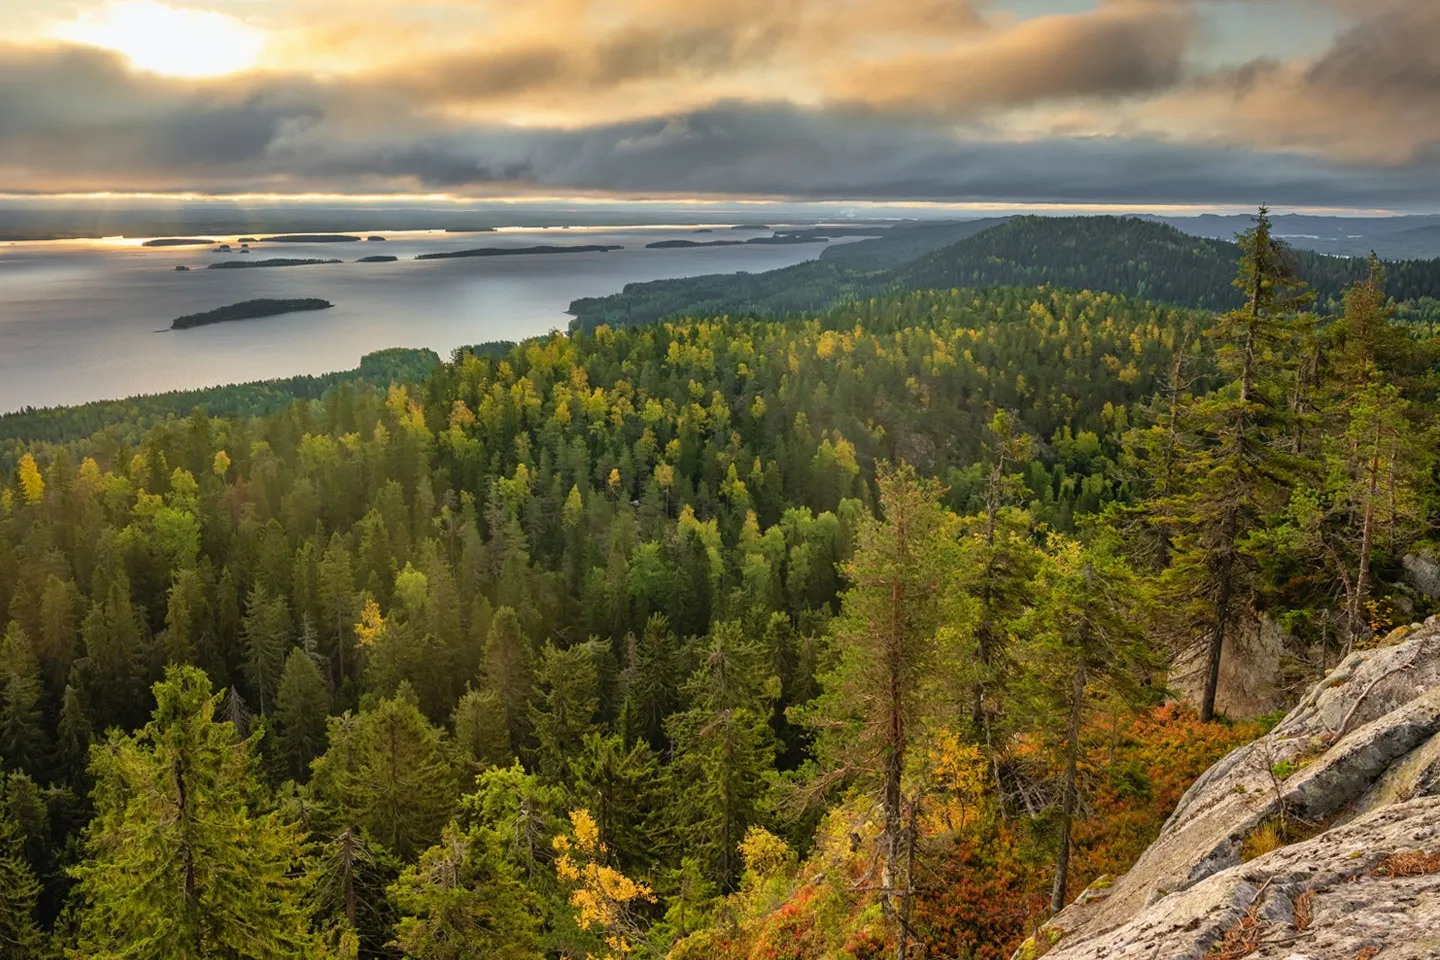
(78,319)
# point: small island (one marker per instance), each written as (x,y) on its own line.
(273,262)
(310,238)
(181,268)
(518,251)
(377,259)
(376,239)
(788,238)
(249,310)
(177,242)
(750,226)
(248,240)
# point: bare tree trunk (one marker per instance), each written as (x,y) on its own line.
(1367,535)
(1217,635)
(895,755)
(902,948)
(1067,801)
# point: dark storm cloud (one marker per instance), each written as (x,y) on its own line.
(74,119)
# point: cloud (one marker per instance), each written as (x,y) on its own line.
(87,124)
(1370,97)
(807,99)
(1126,48)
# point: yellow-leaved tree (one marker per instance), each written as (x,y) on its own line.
(605,900)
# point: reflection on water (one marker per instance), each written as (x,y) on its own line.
(79,319)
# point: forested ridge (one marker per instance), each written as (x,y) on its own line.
(838,636)
(1125,255)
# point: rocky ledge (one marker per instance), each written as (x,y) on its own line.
(1320,840)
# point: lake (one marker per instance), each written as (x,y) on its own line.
(79,319)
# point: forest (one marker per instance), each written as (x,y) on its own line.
(842,635)
(1123,255)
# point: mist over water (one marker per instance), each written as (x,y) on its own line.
(79,319)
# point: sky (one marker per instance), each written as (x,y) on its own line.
(1305,104)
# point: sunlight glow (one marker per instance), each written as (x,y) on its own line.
(172,41)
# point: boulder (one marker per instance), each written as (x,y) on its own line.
(1346,789)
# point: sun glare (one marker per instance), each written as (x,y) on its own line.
(173,41)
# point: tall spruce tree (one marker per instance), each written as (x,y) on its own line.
(178,862)
(1238,471)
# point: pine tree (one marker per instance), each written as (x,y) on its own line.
(894,641)
(1085,637)
(463,901)
(178,863)
(302,705)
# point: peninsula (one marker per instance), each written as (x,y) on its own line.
(248,310)
(273,262)
(518,251)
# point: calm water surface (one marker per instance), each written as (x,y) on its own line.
(78,319)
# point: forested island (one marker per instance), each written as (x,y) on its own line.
(249,310)
(680,244)
(271,262)
(379,258)
(589,645)
(541,250)
(177,242)
(311,238)
(780,239)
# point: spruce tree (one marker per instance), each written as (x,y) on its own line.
(20,936)
(389,772)
(508,667)
(179,860)
(1238,471)
(24,741)
(480,731)
(463,901)
(563,710)
(302,705)
(267,638)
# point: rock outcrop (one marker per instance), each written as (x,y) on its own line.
(1319,840)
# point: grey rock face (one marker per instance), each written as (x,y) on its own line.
(1358,764)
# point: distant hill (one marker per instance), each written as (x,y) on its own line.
(1393,238)
(906,242)
(1134,257)
(1137,258)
